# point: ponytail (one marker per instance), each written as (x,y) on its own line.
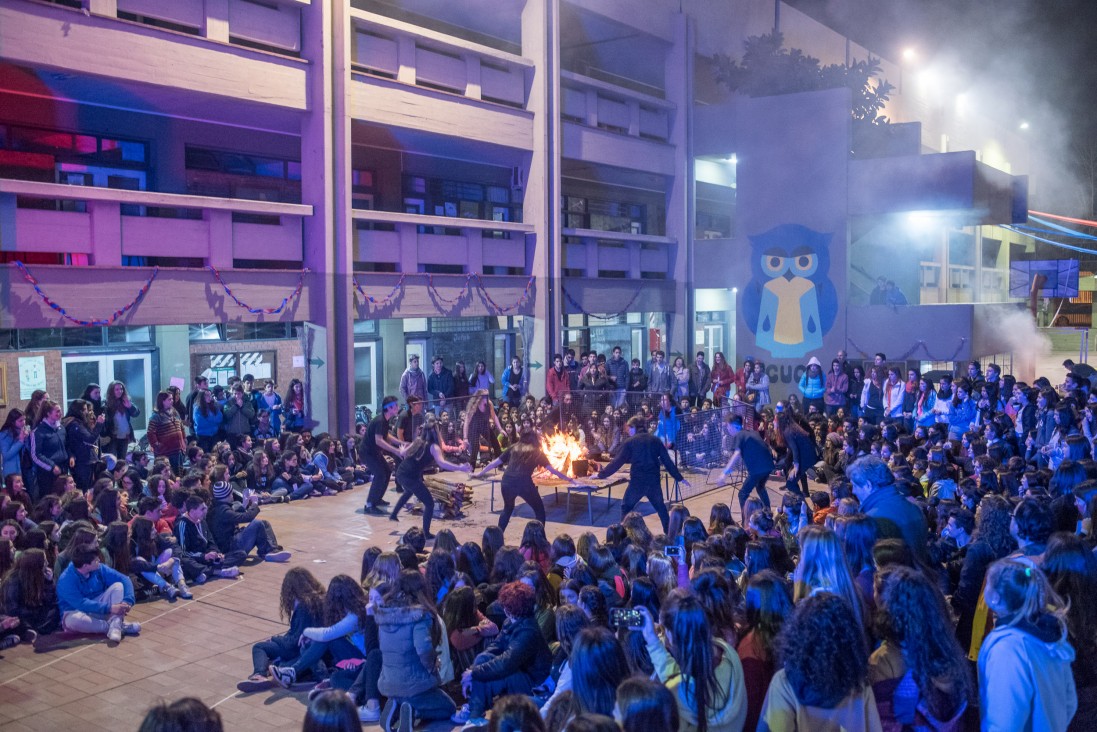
(692,647)
(1024,593)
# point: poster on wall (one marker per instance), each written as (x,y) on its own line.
(32,375)
(219,367)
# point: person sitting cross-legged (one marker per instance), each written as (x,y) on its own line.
(239,529)
(95,598)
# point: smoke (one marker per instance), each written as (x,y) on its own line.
(1011,329)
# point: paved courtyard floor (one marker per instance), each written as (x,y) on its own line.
(202,647)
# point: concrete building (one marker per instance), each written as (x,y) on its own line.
(317,189)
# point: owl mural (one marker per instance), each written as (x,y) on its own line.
(790,303)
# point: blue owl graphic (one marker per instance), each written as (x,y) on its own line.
(790,302)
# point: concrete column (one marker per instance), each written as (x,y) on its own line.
(634,118)
(106,233)
(220,237)
(633,259)
(217,20)
(317,189)
(405,59)
(591,245)
(108,8)
(474,245)
(173,344)
(541,44)
(680,198)
(473,85)
(409,247)
(592,108)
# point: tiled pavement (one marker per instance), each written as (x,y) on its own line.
(202,647)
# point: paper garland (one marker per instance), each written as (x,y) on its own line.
(917,344)
(609,316)
(465,290)
(78,321)
(261,311)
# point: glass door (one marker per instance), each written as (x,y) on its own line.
(366,375)
(132,369)
(714,341)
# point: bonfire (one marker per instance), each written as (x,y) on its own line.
(565,454)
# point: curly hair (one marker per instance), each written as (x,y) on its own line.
(823,651)
(517,599)
(992,519)
(913,617)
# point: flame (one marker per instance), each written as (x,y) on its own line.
(562,450)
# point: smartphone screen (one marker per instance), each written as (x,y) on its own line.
(621,617)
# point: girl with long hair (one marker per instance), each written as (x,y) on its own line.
(33,409)
(570,620)
(991,540)
(119,413)
(824,680)
(1025,679)
(165,432)
(535,545)
(48,449)
(723,377)
(301,599)
(719,597)
(467,626)
(207,419)
(480,425)
(857,535)
(702,671)
(1071,570)
(13,437)
(82,431)
(342,636)
(481,379)
(28,593)
(644,705)
(919,674)
(767,603)
(522,460)
(293,407)
(823,568)
(424,452)
(598,665)
(154,562)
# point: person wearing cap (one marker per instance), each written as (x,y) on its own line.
(372,449)
(813,386)
(644,452)
(240,529)
(413,382)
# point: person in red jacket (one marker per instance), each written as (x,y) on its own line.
(557,380)
(165,432)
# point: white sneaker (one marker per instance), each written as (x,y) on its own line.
(131,628)
(184,591)
(114,630)
(229,572)
(368,714)
(279,556)
(169,592)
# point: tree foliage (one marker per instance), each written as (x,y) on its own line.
(768,69)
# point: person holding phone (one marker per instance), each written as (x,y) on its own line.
(644,452)
(748,447)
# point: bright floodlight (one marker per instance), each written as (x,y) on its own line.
(909,54)
(1024,125)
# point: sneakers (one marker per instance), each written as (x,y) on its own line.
(30,636)
(229,572)
(279,556)
(131,628)
(114,629)
(169,592)
(382,502)
(369,714)
(374,511)
(286,676)
(10,641)
(461,715)
(407,718)
(184,591)
(474,723)
(201,579)
(255,682)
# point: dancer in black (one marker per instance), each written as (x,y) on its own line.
(748,447)
(373,447)
(425,452)
(479,418)
(645,452)
(522,460)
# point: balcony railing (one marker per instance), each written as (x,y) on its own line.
(107,234)
(599,104)
(418,242)
(618,255)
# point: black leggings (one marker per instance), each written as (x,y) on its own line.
(379,467)
(524,488)
(474,446)
(413,485)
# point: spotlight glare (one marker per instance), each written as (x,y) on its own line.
(1024,125)
(909,54)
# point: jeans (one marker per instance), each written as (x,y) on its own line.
(754,482)
(80,622)
(433,704)
(340,649)
(525,489)
(640,489)
(364,687)
(264,653)
(256,535)
(158,580)
(484,693)
(300,491)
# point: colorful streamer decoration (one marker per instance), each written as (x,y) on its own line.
(381,302)
(78,321)
(261,311)
(609,316)
(450,303)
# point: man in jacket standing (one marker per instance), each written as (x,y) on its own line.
(659,376)
(413,382)
(557,379)
(699,379)
(440,387)
(645,452)
(617,371)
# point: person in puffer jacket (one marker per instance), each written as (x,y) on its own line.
(1025,679)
